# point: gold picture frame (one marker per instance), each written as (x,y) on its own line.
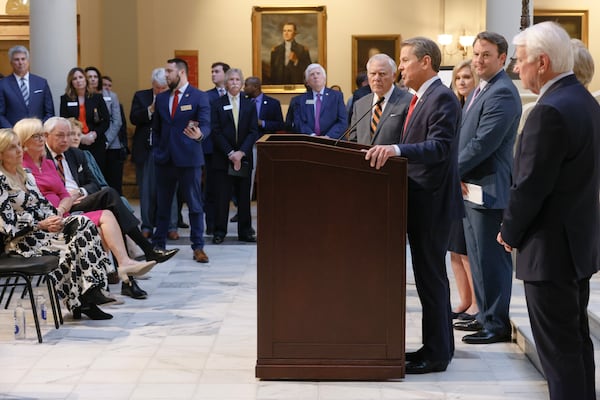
(575,22)
(268,50)
(364,45)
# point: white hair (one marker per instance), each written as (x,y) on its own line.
(551,39)
(159,76)
(312,66)
(383,57)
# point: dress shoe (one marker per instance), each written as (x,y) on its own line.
(132,290)
(138,268)
(173,235)
(200,256)
(249,238)
(414,356)
(425,366)
(182,225)
(95,296)
(92,311)
(234,218)
(485,337)
(466,316)
(217,239)
(161,255)
(472,326)
(147,234)
(210,231)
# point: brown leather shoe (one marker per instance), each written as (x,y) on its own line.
(200,256)
(173,235)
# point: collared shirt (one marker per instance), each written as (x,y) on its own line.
(258,101)
(70,182)
(387,96)
(322,93)
(181,91)
(552,81)
(18,78)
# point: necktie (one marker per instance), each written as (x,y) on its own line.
(221,91)
(411,108)
(474,96)
(376,117)
(25,91)
(59,167)
(175,103)
(317,115)
(236,113)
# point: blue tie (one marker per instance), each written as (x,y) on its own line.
(25,91)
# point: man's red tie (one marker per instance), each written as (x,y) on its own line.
(175,103)
(59,167)
(411,108)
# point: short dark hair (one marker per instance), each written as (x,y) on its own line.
(180,63)
(97,71)
(361,77)
(225,66)
(422,47)
(494,38)
(290,23)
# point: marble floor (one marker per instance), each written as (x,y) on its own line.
(195,338)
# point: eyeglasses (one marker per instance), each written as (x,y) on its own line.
(63,135)
(38,136)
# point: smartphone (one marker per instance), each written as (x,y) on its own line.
(193,124)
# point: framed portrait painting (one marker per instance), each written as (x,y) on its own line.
(575,22)
(285,40)
(363,47)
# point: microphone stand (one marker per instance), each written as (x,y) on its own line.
(347,131)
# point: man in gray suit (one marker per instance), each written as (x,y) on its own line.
(489,125)
(387,118)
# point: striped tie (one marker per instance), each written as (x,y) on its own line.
(25,91)
(59,167)
(376,117)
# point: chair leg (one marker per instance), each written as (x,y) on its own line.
(12,291)
(53,303)
(33,309)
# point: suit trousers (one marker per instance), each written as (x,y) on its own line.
(168,177)
(559,322)
(491,267)
(225,184)
(107,198)
(113,170)
(428,244)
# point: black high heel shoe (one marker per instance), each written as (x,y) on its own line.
(92,311)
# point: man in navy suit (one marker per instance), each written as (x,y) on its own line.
(485,154)
(181,122)
(142,110)
(553,214)
(217,73)
(328,105)
(430,143)
(23,95)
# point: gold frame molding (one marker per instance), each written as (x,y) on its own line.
(361,44)
(576,22)
(312,32)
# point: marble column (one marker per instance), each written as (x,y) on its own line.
(53,42)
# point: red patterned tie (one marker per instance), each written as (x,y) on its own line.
(411,108)
(175,103)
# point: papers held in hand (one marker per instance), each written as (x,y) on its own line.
(475,194)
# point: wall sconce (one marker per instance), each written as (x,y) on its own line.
(464,42)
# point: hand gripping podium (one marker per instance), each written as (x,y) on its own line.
(331,261)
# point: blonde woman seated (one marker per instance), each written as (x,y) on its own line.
(31,227)
(30,132)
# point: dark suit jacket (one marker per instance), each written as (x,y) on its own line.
(553,217)
(270,113)
(431,146)
(140,148)
(70,108)
(208,145)
(333,114)
(12,104)
(169,144)
(358,93)
(389,129)
(487,137)
(224,132)
(79,169)
(285,74)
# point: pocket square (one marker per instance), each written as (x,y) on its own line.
(38,91)
(80,168)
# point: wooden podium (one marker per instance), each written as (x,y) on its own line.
(331,261)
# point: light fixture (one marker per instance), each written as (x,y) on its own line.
(462,46)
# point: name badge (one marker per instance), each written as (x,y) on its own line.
(72,104)
(187,107)
(107,99)
(311,101)
(227,107)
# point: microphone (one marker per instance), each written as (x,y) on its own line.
(347,131)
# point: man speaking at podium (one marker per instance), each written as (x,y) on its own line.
(387,116)
(430,143)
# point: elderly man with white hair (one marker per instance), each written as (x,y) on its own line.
(553,215)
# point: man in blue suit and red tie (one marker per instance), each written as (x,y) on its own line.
(181,122)
(23,95)
(430,143)
(327,104)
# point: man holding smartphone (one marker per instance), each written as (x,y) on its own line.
(181,122)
